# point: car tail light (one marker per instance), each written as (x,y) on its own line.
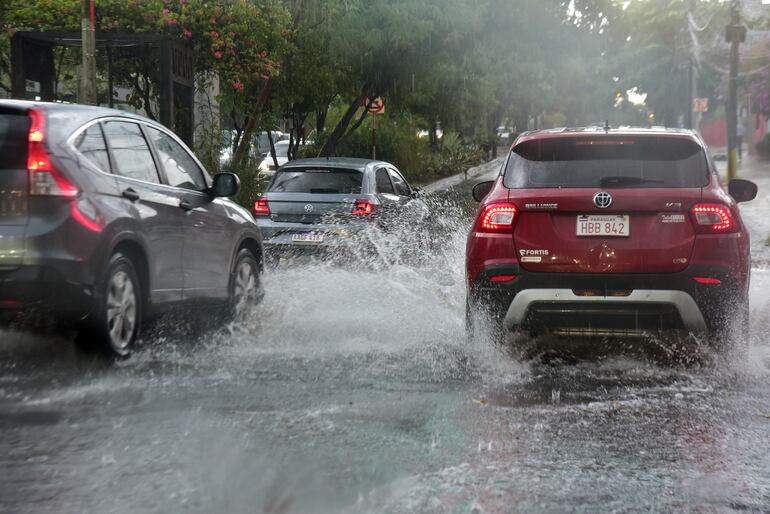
(261,207)
(498,216)
(502,278)
(364,208)
(714,219)
(44,178)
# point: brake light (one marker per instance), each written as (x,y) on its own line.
(363,208)
(44,178)
(713,219)
(261,207)
(498,216)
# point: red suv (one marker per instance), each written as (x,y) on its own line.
(598,232)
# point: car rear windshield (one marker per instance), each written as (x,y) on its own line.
(317,180)
(13,141)
(606,162)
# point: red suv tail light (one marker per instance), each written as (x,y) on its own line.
(261,207)
(363,208)
(44,178)
(498,216)
(713,219)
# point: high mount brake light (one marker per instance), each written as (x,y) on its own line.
(363,207)
(498,216)
(261,207)
(44,178)
(713,219)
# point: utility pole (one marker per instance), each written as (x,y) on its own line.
(736,34)
(689,118)
(88,66)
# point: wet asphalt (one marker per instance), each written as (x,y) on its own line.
(353,389)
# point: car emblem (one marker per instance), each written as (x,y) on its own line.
(308,208)
(602,200)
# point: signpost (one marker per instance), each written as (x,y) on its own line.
(700,105)
(375,106)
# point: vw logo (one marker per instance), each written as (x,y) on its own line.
(308,208)
(602,200)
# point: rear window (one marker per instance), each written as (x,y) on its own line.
(642,162)
(317,180)
(13,141)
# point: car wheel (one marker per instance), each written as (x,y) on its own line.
(245,284)
(116,321)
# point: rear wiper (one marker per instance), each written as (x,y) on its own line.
(627,181)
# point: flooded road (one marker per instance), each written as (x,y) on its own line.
(353,389)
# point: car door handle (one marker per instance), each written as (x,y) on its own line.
(186,205)
(130,194)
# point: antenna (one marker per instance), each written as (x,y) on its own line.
(607,126)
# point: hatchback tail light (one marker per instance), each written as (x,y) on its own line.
(714,219)
(364,207)
(44,178)
(498,216)
(261,207)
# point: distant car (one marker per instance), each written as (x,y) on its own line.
(597,233)
(325,203)
(106,217)
(267,167)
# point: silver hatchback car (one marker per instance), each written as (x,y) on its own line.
(327,204)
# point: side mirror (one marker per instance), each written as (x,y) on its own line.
(417,192)
(225,185)
(482,189)
(742,190)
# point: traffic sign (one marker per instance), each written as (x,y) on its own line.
(377,105)
(700,105)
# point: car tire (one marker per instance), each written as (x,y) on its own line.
(115,323)
(245,283)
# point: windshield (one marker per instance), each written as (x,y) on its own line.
(317,181)
(645,162)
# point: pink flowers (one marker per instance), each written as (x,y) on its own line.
(187,34)
(238,85)
(218,55)
(214,34)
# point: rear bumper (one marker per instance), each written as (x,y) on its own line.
(279,236)
(609,303)
(30,290)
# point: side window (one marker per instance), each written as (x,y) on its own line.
(131,154)
(91,144)
(402,189)
(383,182)
(181,170)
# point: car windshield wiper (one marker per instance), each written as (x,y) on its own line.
(627,181)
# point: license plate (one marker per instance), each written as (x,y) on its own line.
(603,226)
(307,238)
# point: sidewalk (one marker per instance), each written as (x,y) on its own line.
(486,171)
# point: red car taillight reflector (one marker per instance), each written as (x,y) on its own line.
(714,218)
(707,280)
(498,216)
(44,178)
(363,208)
(261,207)
(502,278)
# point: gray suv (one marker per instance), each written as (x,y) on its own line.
(326,204)
(106,217)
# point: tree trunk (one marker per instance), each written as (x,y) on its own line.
(341,129)
(272,148)
(251,122)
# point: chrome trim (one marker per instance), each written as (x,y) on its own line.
(685,304)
